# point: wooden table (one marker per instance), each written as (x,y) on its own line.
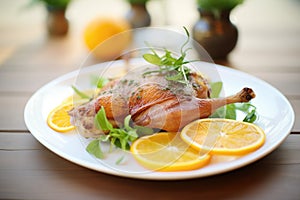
(269,48)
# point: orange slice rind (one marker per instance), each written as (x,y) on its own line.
(167,152)
(223,136)
(59,119)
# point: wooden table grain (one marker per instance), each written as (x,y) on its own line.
(268,48)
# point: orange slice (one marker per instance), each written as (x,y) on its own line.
(223,136)
(59,119)
(167,152)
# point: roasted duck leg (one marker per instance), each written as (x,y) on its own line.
(153,104)
(172,114)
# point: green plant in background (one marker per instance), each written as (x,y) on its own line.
(216,6)
(137,1)
(56,22)
(138,15)
(58,4)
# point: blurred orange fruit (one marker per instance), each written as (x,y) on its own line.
(107,37)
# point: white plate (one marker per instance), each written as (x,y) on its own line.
(276,117)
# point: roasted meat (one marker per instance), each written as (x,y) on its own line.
(154,102)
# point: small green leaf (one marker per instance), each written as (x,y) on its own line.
(179,61)
(95,149)
(186,31)
(79,93)
(153,59)
(123,142)
(219,113)
(244,107)
(250,117)
(116,142)
(230,111)
(102,122)
(99,82)
(168,59)
(126,122)
(150,72)
(104,138)
(175,77)
(216,88)
(132,135)
(118,162)
(183,52)
(249,110)
(142,130)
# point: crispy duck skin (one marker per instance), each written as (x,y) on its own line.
(174,113)
(154,105)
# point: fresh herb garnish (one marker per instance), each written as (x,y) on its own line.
(230,111)
(99,82)
(119,137)
(249,110)
(119,161)
(216,88)
(81,94)
(94,149)
(173,68)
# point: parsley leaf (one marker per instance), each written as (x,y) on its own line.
(230,111)
(250,111)
(102,122)
(119,137)
(81,94)
(99,82)
(119,161)
(216,88)
(94,149)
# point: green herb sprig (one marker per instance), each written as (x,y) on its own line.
(58,4)
(98,82)
(80,93)
(229,111)
(174,68)
(119,137)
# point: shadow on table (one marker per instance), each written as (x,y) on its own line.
(244,182)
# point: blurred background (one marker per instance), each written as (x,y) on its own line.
(267,30)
